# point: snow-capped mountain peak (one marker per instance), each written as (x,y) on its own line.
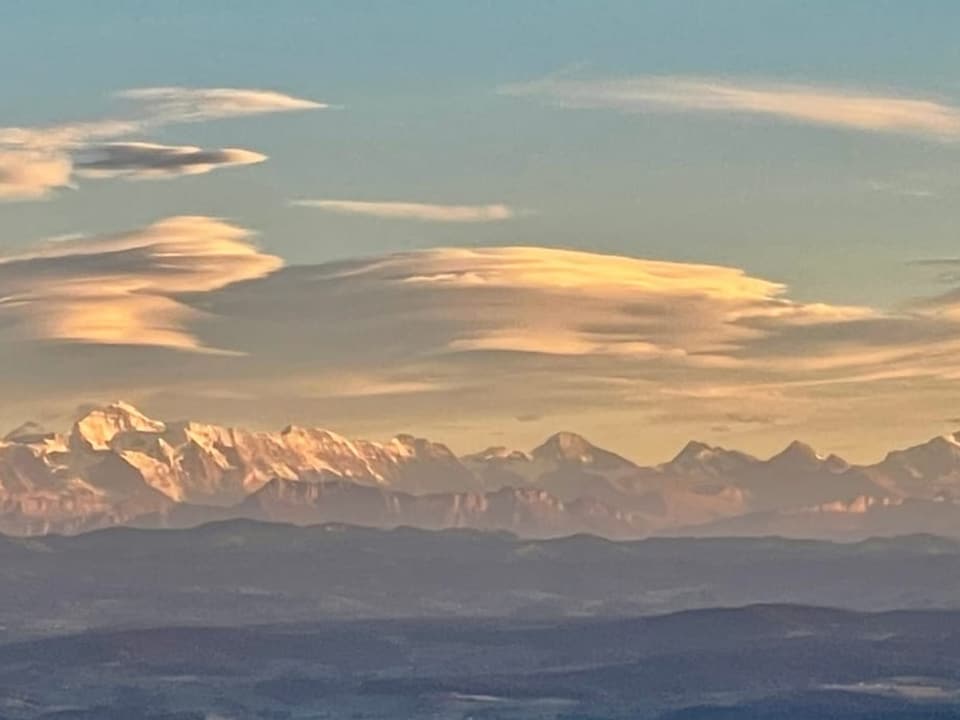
(29,433)
(99,426)
(498,453)
(703,460)
(565,447)
(118,464)
(693,450)
(797,453)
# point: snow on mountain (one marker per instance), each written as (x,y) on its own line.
(798,476)
(95,430)
(698,459)
(700,484)
(116,465)
(198,463)
(117,461)
(567,448)
(930,470)
(31,433)
(567,465)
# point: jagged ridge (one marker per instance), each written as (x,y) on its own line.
(117,465)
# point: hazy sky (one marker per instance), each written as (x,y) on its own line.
(486,221)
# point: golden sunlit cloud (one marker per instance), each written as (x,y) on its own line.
(119,289)
(530,299)
(487,334)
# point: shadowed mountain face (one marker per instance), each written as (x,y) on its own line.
(241,572)
(118,466)
(530,512)
(762,661)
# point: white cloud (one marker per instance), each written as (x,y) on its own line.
(852,109)
(425,212)
(900,188)
(36,160)
(66,137)
(148,160)
(183,104)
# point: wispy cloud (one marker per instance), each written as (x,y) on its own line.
(917,192)
(183,104)
(148,160)
(424,212)
(36,160)
(47,138)
(812,104)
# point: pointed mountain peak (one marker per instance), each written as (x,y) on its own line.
(940,450)
(836,463)
(117,409)
(797,452)
(699,458)
(413,446)
(945,442)
(568,448)
(99,425)
(692,451)
(29,432)
(495,453)
(565,447)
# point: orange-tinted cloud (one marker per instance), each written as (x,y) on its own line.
(29,174)
(478,334)
(121,289)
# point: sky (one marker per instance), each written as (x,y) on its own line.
(483,222)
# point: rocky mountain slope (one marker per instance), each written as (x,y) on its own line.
(117,466)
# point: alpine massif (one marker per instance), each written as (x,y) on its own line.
(116,466)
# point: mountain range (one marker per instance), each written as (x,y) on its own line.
(117,466)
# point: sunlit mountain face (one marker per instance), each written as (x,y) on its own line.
(116,465)
(532,361)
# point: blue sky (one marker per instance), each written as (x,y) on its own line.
(419,114)
(421,118)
